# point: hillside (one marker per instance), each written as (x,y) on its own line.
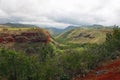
(107,71)
(85,35)
(57,31)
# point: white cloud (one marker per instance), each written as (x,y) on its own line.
(60,13)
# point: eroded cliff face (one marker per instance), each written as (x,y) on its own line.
(32,35)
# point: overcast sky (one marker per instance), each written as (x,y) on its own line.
(60,13)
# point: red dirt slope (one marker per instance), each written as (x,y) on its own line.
(109,71)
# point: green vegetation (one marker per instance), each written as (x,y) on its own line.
(48,62)
(84,35)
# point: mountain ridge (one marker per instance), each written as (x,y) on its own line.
(18,25)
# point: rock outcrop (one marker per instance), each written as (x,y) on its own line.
(35,35)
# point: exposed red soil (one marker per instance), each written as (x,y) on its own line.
(109,71)
(28,36)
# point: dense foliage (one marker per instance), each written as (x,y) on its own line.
(55,64)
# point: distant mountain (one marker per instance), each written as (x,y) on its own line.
(92,26)
(69,28)
(18,25)
(54,31)
(57,31)
(96,26)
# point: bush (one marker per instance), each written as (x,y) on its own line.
(113,39)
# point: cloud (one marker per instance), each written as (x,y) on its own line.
(60,13)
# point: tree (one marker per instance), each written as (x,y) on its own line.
(113,39)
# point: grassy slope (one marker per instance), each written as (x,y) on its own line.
(73,35)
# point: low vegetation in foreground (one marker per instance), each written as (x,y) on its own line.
(57,62)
